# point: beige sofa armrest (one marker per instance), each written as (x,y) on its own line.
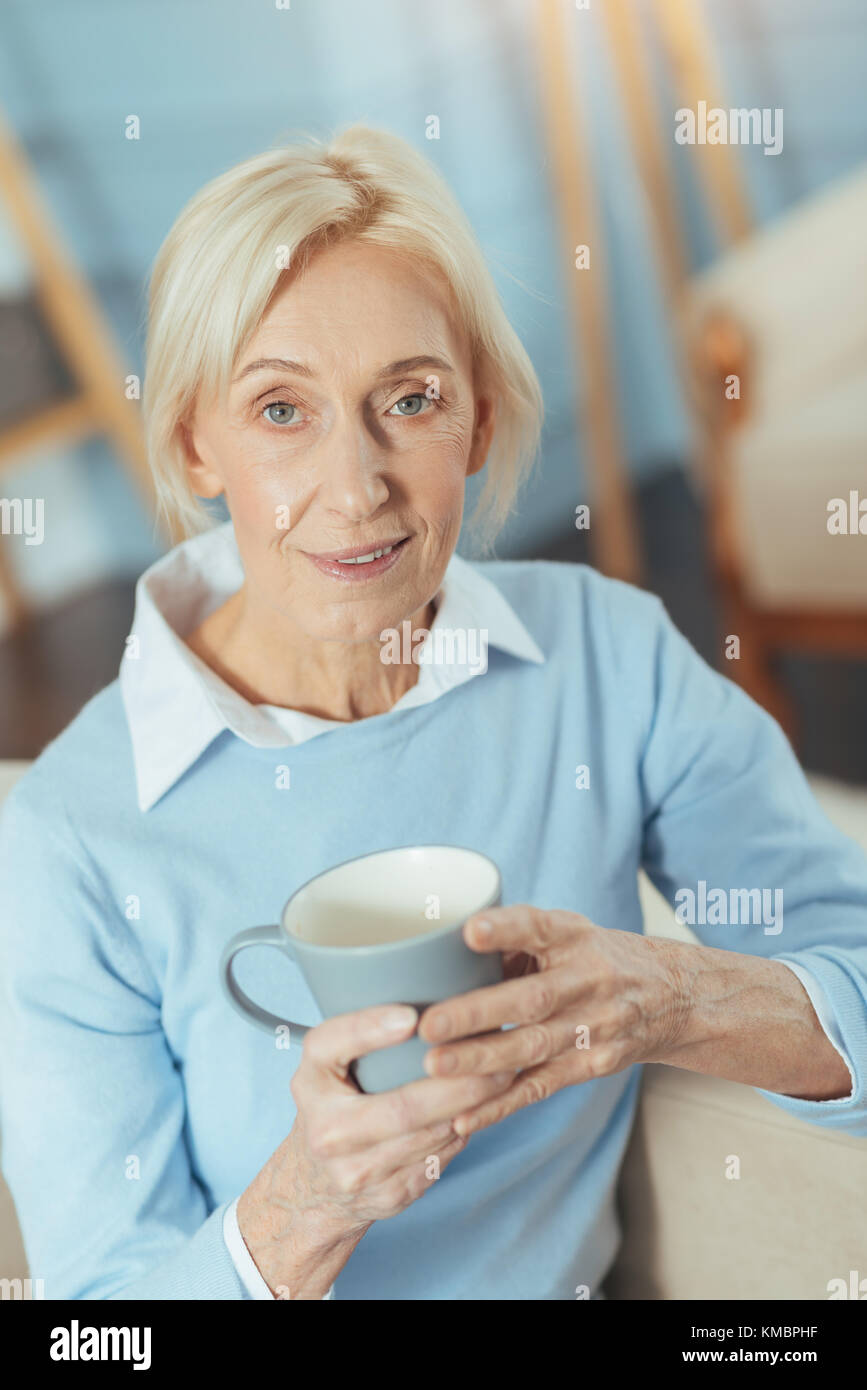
(787,1225)
(791,1222)
(13,1264)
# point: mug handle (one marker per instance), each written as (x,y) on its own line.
(258,936)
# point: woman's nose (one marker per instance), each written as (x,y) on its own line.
(352,481)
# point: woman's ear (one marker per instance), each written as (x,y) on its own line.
(483,433)
(203,480)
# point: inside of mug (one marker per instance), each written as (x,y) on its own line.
(392,895)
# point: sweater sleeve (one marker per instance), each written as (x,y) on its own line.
(92,1105)
(737,843)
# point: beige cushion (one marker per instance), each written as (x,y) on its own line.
(799,288)
(786,468)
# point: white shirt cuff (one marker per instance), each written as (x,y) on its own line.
(825,1015)
(243,1261)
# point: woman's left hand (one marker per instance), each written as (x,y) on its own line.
(585,1001)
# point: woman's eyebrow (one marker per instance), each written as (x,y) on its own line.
(403,364)
(412,364)
(274,363)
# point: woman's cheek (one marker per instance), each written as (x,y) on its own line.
(446,443)
(267,480)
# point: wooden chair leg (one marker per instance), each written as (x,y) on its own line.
(16,609)
(722,350)
(614,536)
(75,320)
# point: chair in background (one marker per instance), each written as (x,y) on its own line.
(98,403)
(782,318)
(783,311)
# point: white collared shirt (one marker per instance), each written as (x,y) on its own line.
(161,672)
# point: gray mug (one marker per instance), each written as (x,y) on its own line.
(361,934)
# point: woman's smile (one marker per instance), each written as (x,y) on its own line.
(360,564)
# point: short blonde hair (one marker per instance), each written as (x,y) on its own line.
(220,264)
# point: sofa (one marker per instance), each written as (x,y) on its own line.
(791,1222)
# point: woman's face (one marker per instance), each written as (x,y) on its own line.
(351,424)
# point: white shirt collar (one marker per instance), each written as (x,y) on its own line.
(176,705)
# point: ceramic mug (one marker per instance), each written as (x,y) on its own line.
(385,928)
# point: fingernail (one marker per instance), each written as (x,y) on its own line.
(482,928)
(501,1077)
(398,1020)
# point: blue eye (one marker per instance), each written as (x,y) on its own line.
(418,401)
(285,412)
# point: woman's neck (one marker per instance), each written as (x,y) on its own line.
(284,666)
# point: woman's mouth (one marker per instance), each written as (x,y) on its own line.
(357,565)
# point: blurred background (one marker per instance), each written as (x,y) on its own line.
(704,363)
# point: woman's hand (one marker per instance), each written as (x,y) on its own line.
(588,1001)
(585,1001)
(350,1159)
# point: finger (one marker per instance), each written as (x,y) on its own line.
(522,927)
(452,1149)
(359,1171)
(363,1121)
(529,999)
(410,1183)
(514,1049)
(335,1043)
(444,1157)
(528,1087)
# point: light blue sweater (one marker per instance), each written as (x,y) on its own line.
(136,1105)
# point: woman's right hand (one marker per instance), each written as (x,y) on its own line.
(350,1158)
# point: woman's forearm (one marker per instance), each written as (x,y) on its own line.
(750,1020)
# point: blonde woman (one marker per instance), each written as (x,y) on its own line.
(328,355)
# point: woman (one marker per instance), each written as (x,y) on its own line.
(327,354)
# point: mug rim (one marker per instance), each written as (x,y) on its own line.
(409,941)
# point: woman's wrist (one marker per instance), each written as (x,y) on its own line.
(299,1251)
(750,1020)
